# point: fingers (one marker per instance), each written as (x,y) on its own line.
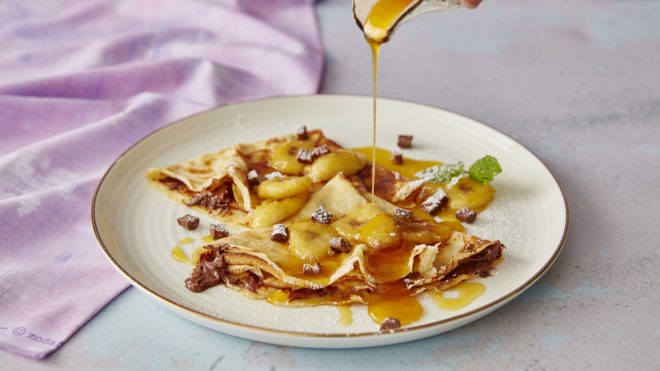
(470,4)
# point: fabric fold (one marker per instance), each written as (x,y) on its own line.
(82,82)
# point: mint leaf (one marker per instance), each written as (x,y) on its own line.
(485,169)
(442,173)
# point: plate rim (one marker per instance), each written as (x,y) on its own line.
(487,308)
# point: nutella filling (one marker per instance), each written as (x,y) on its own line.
(210,271)
(479,264)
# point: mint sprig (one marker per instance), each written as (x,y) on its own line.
(485,169)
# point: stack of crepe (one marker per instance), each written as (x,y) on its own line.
(387,254)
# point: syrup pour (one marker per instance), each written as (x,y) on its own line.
(379,23)
(391,298)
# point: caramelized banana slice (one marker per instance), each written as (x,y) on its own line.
(469,193)
(326,167)
(429,232)
(283,157)
(279,188)
(379,232)
(270,212)
(310,241)
(370,225)
(347,226)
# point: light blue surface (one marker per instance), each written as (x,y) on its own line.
(578,82)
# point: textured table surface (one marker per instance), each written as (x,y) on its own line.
(577,82)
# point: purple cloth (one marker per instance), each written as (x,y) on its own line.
(80,81)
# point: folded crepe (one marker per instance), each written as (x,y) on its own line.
(217,183)
(289,179)
(259,267)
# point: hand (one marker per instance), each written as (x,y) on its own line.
(470,4)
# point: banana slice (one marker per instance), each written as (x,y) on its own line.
(344,161)
(270,212)
(279,188)
(347,226)
(469,193)
(283,157)
(310,241)
(370,225)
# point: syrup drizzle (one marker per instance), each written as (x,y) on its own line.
(379,23)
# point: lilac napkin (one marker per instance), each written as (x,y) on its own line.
(80,81)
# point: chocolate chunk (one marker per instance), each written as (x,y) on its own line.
(466,215)
(305,156)
(188,222)
(397,157)
(321,215)
(218,231)
(280,233)
(320,151)
(390,324)
(405,141)
(339,245)
(253,178)
(301,133)
(435,203)
(404,214)
(314,268)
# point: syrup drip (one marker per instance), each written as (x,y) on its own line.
(375,49)
(345,315)
(394,301)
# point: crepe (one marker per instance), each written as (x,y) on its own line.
(218,185)
(342,244)
(344,278)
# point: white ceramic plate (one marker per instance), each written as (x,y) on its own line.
(136,225)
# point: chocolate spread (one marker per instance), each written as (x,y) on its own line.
(210,271)
(385,181)
(174,184)
(478,264)
(218,199)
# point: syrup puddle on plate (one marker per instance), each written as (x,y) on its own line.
(180,255)
(458,296)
